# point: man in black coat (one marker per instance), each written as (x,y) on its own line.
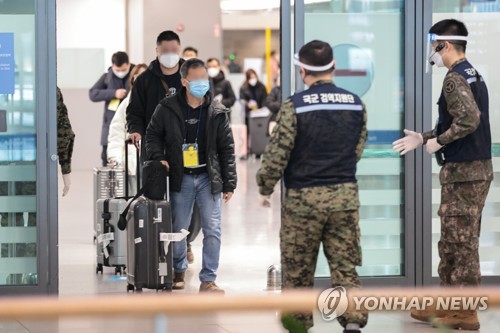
(112,88)
(190,134)
(160,80)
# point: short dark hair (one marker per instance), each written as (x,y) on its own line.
(119,59)
(192,49)
(191,64)
(167,36)
(213,59)
(451,27)
(316,53)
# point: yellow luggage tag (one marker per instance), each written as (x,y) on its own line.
(190,155)
(113,105)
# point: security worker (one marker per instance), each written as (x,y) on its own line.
(463,139)
(319,137)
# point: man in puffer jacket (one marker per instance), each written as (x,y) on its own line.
(190,134)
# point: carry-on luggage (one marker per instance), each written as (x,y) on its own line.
(258,123)
(108,183)
(111,246)
(149,233)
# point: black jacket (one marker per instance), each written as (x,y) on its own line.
(220,86)
(104,90)
(165,136)
(148,91)
(257,93)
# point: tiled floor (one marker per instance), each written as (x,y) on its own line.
(250,245)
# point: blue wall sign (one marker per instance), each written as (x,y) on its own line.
(7,65)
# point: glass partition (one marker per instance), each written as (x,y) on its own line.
(368,42)
(18,183)
(481,19)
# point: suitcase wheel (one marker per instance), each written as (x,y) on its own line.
(119,270)
(99,269)
(130,288)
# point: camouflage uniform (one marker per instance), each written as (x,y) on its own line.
(311,216)
(65,141)
(464,188)
(65,135)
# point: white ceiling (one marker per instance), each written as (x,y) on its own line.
(255,5)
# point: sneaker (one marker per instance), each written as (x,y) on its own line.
(179,283)
(210,287)
(190,254)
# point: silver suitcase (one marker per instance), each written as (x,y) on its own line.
(111,249)
(108,183)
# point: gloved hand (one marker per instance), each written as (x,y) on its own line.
(113,164)
(432,146)
(67,183)
(411,141)
(265,200)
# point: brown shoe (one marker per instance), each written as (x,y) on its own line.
(428,314)
(464,320)
(179,281)
(210,287)
(190,254)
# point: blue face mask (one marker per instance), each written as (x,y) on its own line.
(199,88)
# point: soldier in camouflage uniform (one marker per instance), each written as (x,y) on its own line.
(463,140)
(318,140)
(65,141)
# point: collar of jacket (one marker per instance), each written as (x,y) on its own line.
(178,102)
(154,67)
(459,61)
(219,78)
(317,83)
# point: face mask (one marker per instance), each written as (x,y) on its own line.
(199,88)
(437,59)
(120,74)
(252,82)
(213,72)
(169,60)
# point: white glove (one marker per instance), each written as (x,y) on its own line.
(67,183)
(218,98)
(411,141)
(265,200)
(433,146)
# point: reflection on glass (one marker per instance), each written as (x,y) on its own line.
(481,19)
(360,32)
(18,232)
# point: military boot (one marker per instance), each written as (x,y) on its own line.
(462,319)
(427,314)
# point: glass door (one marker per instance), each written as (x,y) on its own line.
(369,39)
(25,173)
(481,19)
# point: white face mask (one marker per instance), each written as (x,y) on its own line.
(169,60)
(252,82)
(437,59)
(213,72)
(120,74)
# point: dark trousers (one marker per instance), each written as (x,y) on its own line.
(104,155)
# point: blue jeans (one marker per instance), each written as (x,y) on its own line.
(198,188)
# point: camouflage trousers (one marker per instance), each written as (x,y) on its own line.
(460,211)
(303,228)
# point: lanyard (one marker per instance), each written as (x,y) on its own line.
(197,128)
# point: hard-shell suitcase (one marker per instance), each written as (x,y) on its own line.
(108,183)
(258,123)
(111,246)
(149,250)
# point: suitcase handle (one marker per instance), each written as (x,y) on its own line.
(138,167)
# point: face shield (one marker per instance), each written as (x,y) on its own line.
(431,51)
(311,68)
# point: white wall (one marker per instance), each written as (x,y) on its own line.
(92,24)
